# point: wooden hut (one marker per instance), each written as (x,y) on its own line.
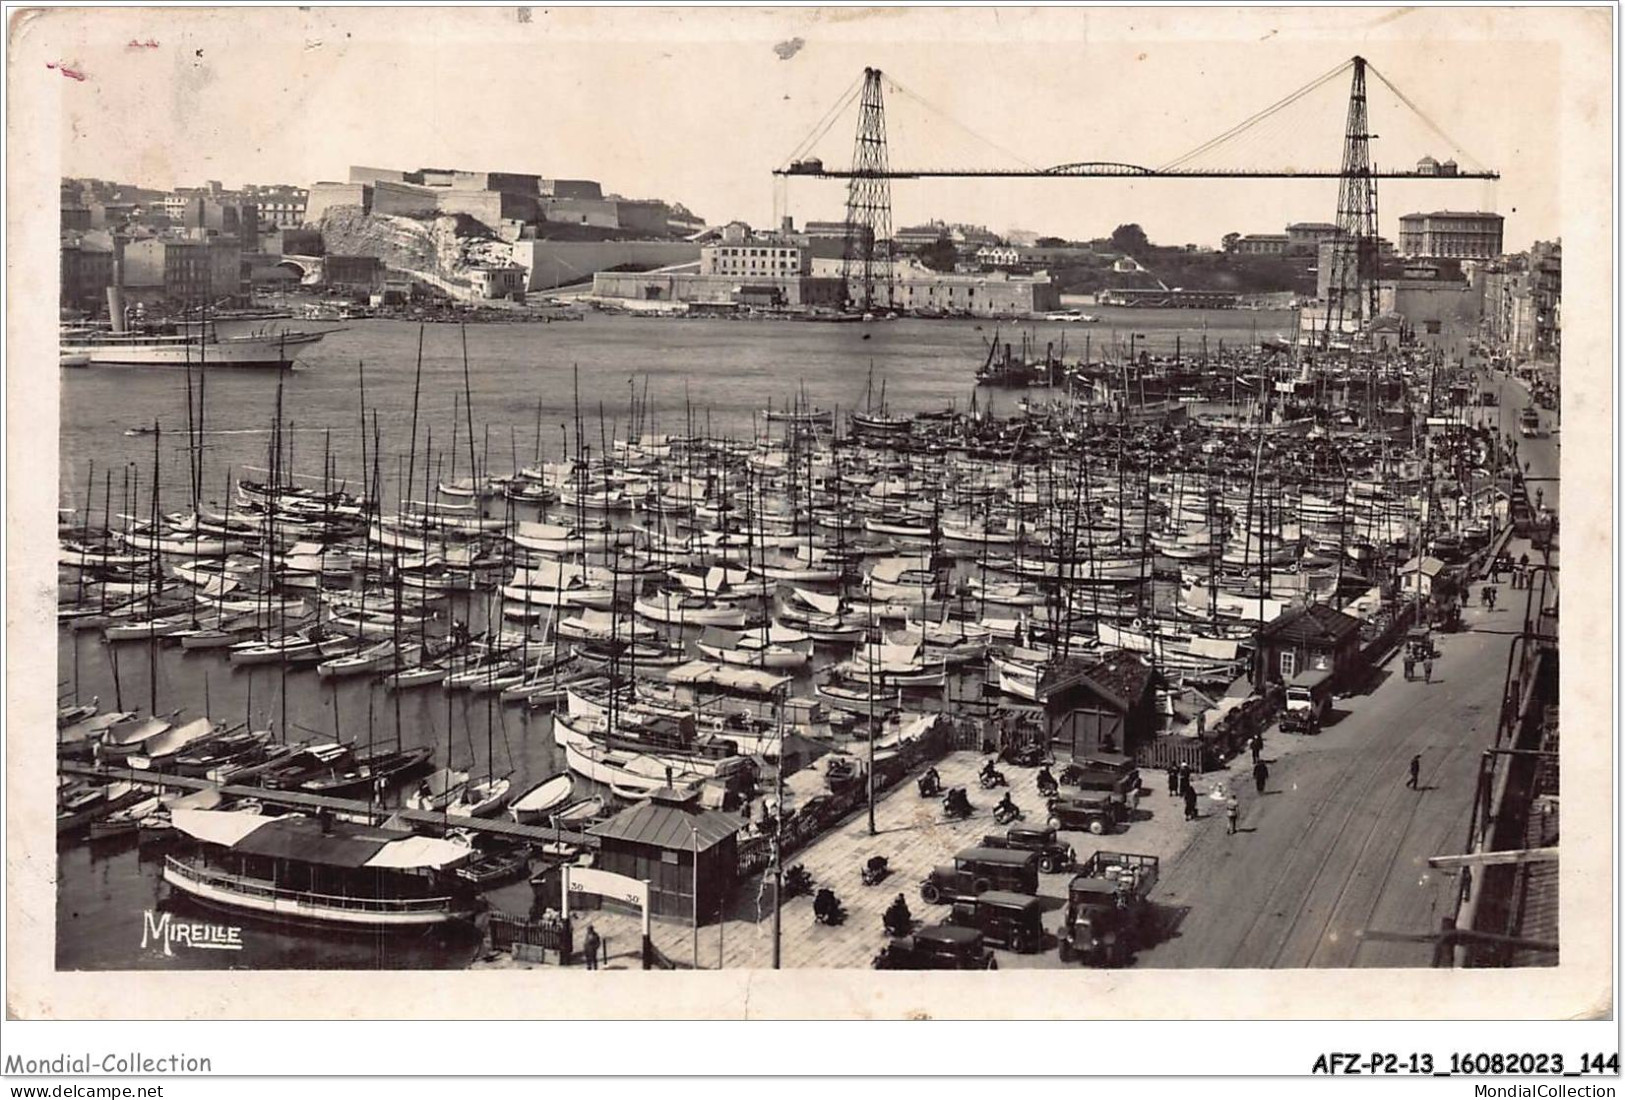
(1317,636)
(659,842)
(1099,704)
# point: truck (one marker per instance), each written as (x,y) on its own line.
(1053,855)
(1108,914)
(1308,699)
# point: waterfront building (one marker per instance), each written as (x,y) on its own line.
(1450,234)
(1099,705)
(280,205)
(1303,238)
(756,257)
(1262,244)
(504,281)
(1315,636)
(353,272)
(87,271)
(181,269)
(677,847)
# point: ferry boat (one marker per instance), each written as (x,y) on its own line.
(183,344)
(326,871)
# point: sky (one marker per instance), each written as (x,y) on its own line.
(698,105)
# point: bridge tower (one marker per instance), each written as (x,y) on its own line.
(866,253)
(1352,295)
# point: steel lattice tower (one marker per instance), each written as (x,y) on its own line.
(866,254)
(1352,289)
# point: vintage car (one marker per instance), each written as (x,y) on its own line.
(937,947)
(1015,921)
(978,870)
(1053,855)
(1095,812)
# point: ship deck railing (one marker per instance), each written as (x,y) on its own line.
(242,884)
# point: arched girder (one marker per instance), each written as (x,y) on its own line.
(1097,168)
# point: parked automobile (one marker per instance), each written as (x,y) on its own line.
(1053,855)
(977,870)
(937,947)
(1095,812)
(1015,921)
(1113,773)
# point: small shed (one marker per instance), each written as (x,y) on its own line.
(659,841)
(1316,636)
(1098,704)
(1417,576)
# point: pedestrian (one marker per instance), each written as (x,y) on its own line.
(1190,803)
(1173,780)
(1416,772)
(1261,775)
(1427,670)
(1185,787)
(1232,813)
(1257,745)
(1494,595)
(1410,667)
(590,945)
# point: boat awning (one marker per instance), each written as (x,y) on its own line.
(420,852)
(753,681)
(223,827)
(1217,649)
(302,839)
(829,605)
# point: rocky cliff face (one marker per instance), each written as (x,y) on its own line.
(436,250)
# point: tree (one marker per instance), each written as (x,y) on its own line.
(1050,242)
(1130,239)
(1229,241)
(940,255)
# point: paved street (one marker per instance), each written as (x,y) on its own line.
(1338,843)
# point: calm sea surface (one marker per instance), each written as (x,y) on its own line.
(711,374)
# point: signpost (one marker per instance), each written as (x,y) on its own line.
(608,884)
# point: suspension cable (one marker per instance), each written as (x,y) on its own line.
(946,117)
(1279,105)
(823,125)
(1421,114)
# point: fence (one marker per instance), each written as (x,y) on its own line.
(527,938)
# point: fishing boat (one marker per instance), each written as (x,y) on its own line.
(776,647)
(539,802)
(370,771)
(438,790)
(159,752)
(325,871)
(484,797)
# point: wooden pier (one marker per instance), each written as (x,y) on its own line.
(348,807)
